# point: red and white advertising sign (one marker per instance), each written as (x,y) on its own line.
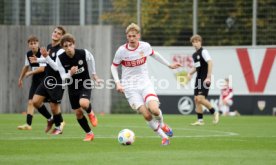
(251,70)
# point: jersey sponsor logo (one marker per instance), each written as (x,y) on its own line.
(185,105)
(247,69)
(134,63)
(80,62)
(53,54)
(197,64)
(80,70)
(142,54)
(198,57)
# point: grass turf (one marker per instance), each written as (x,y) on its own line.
(235,140)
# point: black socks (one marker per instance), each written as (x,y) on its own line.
(29,119)
(44,112)
(84,124)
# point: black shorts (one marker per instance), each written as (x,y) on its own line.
(53,95)
(76,95)
(200,88)
(33,88)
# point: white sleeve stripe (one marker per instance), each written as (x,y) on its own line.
(52,63)
(60,51)
(90,62)
(26,61)
(42,64)
(62,71)
(206,55)
(160,59)
(114,73)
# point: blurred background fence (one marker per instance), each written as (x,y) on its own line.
(163,22)
(13,46)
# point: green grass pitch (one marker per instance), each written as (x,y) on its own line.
(235,140)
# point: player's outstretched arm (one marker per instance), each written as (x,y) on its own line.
(48,59)
(62,71)
(163,61)
(36,71)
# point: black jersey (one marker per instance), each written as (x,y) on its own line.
(200,64)
(49,71)
(36,77)
(82,76)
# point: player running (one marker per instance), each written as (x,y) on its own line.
(135,82)
(78,66)
(49,90)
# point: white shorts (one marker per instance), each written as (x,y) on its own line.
(141,96)
(226,108)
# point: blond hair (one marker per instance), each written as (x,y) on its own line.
(133,26)
(196,37)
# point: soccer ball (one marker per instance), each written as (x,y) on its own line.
(126,137)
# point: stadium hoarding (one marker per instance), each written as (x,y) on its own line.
(251,71)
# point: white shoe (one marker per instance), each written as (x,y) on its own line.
(58,130)
(197,123)
(216,118)
(62,124)
(24,127)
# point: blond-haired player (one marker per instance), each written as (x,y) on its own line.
(135,82)
(226,100)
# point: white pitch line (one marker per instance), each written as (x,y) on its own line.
(213,133)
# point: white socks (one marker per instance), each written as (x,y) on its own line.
(159,118)
(154,125)
(200,120)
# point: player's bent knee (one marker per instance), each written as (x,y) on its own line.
(196,100)
(84,103)
(55,108)
(155,111)
(147,117)
(200,100)
(37,101)
(36,104)
(30,102)
(153,105)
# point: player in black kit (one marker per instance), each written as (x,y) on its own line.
(37,73)
(50,89)
(203,66)
(78,66)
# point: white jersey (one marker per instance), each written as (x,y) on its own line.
(133,61)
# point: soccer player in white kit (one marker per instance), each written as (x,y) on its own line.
(135,82)
(226,100)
